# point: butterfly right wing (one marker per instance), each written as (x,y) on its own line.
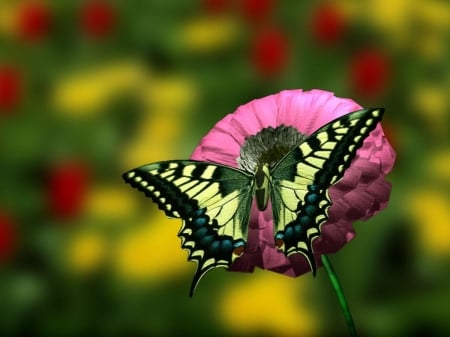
(212,200)
(300,181)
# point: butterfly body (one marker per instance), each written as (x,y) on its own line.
(262,186)
(214,200)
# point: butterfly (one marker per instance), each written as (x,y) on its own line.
(214,200)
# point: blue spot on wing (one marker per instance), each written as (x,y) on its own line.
(305,220)
(214,247)
(200,233)
(207,240)
(288,233)
(279,235)
(226,245)
(199,212)
(310,210)
(239,243)
(312,188)
(201,221)
(311,198)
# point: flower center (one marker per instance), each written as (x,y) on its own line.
(268,146)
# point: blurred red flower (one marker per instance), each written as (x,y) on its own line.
(256,10)
(369,72)
(98,18)
(33,20)
(327,24)
(8,236)
(270,52)
(216,6)
(10,88)
(67,189)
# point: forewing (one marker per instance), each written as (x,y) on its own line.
(300,181)
(212,200)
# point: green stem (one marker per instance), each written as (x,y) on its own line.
(340,294)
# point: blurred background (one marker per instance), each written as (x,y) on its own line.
(91,89)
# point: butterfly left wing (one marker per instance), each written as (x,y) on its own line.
(212,200)
(300,181)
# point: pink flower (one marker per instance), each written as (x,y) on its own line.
(361,193)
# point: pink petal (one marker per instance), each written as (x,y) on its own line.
(250,118)
(310,110)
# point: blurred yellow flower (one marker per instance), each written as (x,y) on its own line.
(430,210)
(7,17)
(86,92)
(152,251)
(86,251)
(124,75)
(110,202)
(173,94)
(140,153)
(167,100)
(270,303)
(433,13)
(433,19)
(395,19)
(391,17)
(161,126)
(210,33)
(154,140)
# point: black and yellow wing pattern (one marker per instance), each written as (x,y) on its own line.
(300,180)
(214,201)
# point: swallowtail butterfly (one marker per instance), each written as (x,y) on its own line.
(214,200)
